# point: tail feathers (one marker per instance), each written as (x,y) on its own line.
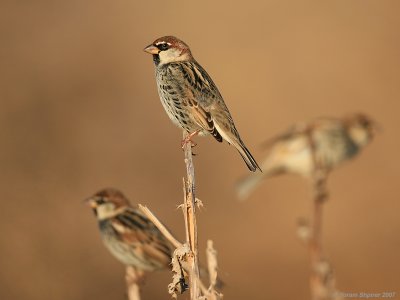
(248,158)
(247,185)
(231,135)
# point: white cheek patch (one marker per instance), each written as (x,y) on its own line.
(359,135)
(106,211)
(173,55)
(169,55)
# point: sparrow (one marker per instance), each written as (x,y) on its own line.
(190,97)
(322,143)
(131,237)
(128,234)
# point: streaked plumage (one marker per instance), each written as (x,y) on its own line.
(128,234)
(131,237)
(332,141)
(190,97)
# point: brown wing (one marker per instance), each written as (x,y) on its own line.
(139,232)
(209,102)
(209,110)
(199,95)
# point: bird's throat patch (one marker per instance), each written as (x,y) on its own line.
(156,59)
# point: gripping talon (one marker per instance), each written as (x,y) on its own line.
(189,139)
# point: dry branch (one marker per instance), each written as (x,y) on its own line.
(322,280)
(189,211)
(179,258)
(134,279)
(185,257)
(160,226)
(180,265)
(212,264)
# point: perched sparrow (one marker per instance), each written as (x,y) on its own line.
(129,235)
(327,141)
(190,97)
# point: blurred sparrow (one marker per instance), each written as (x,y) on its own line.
(190,97)
(327,141)
(128,234)
(131,237)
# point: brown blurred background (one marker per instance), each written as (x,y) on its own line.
(80,111)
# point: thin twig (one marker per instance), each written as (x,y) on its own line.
(134,279)
(322,281)
(212,270)
(190,220)
(178,285)
(180,263)
(212,263)
(318,286)
(167,234)
(185,258)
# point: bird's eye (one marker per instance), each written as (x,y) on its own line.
(100,201)
(163,46)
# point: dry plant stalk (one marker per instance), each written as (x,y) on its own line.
(322,280)
(185,257)
(167,234)
(189,212)
(134,279)
(210,293)
(179,258)
(212,264)
(179,264)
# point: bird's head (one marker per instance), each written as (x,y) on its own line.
(107,203)
(168,49)
(361,128)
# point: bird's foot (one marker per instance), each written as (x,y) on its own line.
(188,139)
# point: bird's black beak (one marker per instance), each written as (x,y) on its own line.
(151,49)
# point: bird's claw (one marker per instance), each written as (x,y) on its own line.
(188,139)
